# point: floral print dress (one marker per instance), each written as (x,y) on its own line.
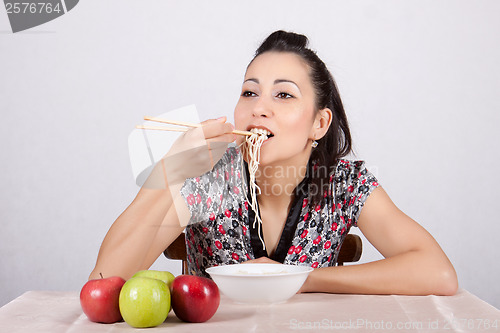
(222,229)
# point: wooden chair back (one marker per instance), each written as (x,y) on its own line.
(349,252)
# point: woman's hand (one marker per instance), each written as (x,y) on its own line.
(194,153)
(198,150)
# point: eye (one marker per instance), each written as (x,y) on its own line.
(248,93)
(284,95)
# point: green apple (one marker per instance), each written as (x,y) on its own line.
(144,302)
(165,276)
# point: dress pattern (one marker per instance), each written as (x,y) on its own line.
(219,230)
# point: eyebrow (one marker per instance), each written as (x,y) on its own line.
(275,82)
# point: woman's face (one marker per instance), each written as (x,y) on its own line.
(278,95)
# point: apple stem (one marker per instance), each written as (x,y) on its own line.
(101,275)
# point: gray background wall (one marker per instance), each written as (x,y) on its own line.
(419,79)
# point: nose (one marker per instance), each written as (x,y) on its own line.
(262,108)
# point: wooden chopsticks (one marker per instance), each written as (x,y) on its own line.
(178,123)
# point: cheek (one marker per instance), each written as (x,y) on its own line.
(300,124)
(241,115)
(238,117)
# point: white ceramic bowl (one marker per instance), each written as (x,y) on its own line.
(259,283)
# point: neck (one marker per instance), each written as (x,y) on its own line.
(278,182)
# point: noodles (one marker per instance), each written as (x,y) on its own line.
(251,149)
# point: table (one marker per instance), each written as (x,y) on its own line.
(52,311)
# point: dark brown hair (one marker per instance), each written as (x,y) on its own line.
(337,141)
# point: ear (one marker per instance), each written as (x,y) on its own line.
(321,123)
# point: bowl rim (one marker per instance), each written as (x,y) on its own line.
(214,271)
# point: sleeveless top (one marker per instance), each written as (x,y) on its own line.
(221,230)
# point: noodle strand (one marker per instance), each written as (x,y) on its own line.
(251,149)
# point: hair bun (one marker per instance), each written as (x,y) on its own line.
(283,41)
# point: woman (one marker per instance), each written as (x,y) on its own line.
(309,197)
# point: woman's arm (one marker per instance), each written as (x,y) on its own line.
(414,263)
(156,218)
(139,235)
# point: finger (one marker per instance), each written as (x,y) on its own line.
(217,129)
(225,138)
(214,128)
(210,121)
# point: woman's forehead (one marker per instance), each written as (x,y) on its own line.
(278,65)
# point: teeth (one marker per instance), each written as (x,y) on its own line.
(260,131)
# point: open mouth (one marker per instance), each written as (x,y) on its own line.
(262,131)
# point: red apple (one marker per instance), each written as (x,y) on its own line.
(195,299)
(99,299)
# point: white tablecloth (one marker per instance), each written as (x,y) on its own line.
(49,311)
